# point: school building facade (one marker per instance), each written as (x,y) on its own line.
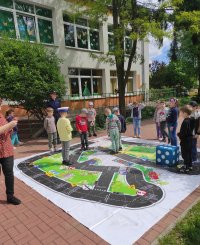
(47,22)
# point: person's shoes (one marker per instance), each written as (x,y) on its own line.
(134,136)
(163,140)
(20,143)
(95,134)
(160,139)
(82,148)
(67,163)
(190,168)
(182,169)
(120,148)
(13,200)
(55,149)
(90,135)
(51,150)
(139,137)
(112,152)
(169,141)
(86,148)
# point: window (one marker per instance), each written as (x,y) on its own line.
(80,34)
(85,82)
(128,43)
(33,23)
(114,84)
(7,25)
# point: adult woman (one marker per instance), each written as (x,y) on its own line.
(172,120)
(7,158)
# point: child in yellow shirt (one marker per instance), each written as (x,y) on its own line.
(65,133)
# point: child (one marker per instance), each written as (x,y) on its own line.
(113,127)
(91,119)
(156,120)
(65,133)
(162,116)
(172,120)
(195,118)
(186,135)
(50,127)
(82,128)
(10,116)
(123,124)
(137,116)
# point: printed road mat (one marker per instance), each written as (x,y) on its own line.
(128,182)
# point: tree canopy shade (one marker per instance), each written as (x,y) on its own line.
(128,16)
(28,72)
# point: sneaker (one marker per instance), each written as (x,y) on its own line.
(86,148)
(51,150)
(139,137)
(90,135)
(82,148)
(67,163)
(13,200)
(120,148)
(113,152)
(20,143)
(190,168)
(55,149)
(95,134)
(182,169)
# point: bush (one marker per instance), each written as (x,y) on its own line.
(148,112)
(28,72)
(100,121)
(184,101)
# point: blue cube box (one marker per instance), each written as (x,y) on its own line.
(167,155)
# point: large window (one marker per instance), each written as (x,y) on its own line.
(128,43)
(26,21)
(85,82)
(81,34)
(114,83)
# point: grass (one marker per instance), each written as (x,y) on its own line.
(187,231)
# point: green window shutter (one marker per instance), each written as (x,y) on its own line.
(6,3)
(45,31)
(44,12)
(24,7)
(26,26)
(7,26)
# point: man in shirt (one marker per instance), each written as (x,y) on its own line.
(7,157)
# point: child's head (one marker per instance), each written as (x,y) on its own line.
(186,111)
(63,111)
(107,111)
(10,113)
(53,95)
(158,104)
(194,105)
(49,111)
(162,104)
(91,104)
(173,102)
(116,111)
(84,112)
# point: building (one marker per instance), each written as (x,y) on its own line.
(46,21)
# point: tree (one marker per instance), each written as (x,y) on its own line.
(130,16)
(187,20)
(28,72)
(158,72)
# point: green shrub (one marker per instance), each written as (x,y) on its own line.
(148,112)
(129,120)
(184,101)
(100,121)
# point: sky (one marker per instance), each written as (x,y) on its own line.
(160,54)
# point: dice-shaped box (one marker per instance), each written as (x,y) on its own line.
(167,155)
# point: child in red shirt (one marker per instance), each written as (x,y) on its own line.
(82,128)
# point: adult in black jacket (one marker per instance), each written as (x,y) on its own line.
(123,124)
(195,120)
(186,136)
(54,103)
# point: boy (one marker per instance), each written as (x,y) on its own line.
(50,127)
(136,114)
(195,118)
(186,135)
(82,128)
(123,124)
(113,127)
(65,133)
(10,116)
(162,117)
(91,119)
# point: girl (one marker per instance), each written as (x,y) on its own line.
(156,120)
(136,114)
(172,120)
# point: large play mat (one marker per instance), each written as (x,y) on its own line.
(124,188)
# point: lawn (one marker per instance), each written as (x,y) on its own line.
(187,231)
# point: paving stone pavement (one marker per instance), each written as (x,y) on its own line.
(38,221)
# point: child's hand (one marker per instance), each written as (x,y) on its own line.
(13,123)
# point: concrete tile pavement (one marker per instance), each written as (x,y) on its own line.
(38,221)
